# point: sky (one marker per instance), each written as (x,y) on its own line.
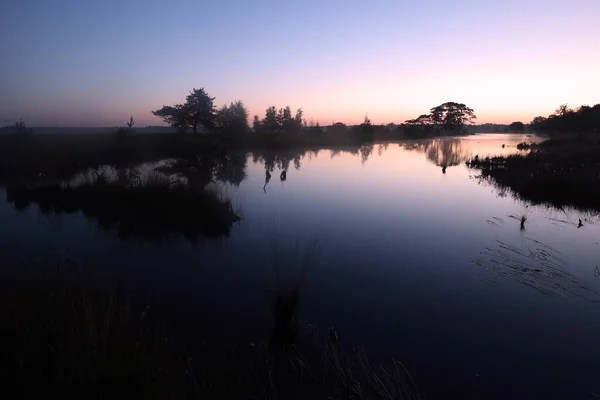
(96,62)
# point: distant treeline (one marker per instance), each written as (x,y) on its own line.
(87,130)
(498,128)
(584,119)
(307,126)
(18,127)
(199,113)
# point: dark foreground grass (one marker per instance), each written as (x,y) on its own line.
(61,335)
(559,172)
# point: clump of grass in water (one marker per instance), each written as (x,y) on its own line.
(357,378)
(523,220)
(288,366)
(285,299)
(337,375)
(157,206)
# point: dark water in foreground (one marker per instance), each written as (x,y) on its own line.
(428,268)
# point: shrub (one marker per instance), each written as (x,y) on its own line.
(20,127)
(122,131)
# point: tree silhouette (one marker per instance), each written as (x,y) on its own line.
(232,118)
(423,119)
(419,127)
(198,110)
(563,110)
(537,123)
(271,122)
(338,128)
(122,132)
(256,124)
(296,123)
(451,117)
(279,120)
(564,120)
(174,116)
(447,117)
(314,128)
(367,127)
(517,127)
(130,124)
(20,127)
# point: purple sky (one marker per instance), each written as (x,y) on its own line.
(94,63)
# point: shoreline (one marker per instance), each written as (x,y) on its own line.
(561,171)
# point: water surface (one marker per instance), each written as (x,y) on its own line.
(417,260)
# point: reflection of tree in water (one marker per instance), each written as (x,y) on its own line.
(419,146)
(199,170)
(267,180)
(164,201)
(297,160)
(365,152)
(310,154)
(231,168)
(382,148)
(446,152)
(281,160)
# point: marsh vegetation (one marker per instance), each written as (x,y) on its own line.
(560,172)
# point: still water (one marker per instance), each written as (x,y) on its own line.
(416,259)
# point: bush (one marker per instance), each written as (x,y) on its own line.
(20,127)
(122,131)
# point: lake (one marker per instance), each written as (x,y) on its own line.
(415,258)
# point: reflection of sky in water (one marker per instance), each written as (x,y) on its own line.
(403,265)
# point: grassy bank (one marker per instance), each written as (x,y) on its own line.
(61,334)
(59,156)
(563,171)
(150,208)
